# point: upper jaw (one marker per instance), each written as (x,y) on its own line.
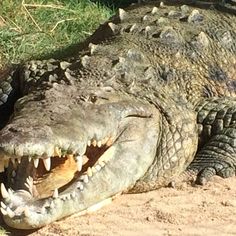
(71,134)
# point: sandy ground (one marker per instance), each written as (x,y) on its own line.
(202,210)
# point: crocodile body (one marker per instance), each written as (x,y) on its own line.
(150,95)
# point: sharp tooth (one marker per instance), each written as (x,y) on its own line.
(73,194)
(52,204)
(29,180)
(29,159)
(80,186)
(27,212)
(27,185)
(94,143)
(79,161)
(57,151)
(113,27)
(55,193)
(89,143)
(47,163)
(10,213)
(89,172)
(101,163)
(85,159)
(4,192)
(99,144)
(11,192)
(109,141)
(85,178)
(104,141)
(98,167)
(36,162)
(4,212)
(3,205)
(19,160)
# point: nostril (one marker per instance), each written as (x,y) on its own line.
(13,130)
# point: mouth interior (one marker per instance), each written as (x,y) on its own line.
(64,170)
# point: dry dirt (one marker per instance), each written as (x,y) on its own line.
(202,210)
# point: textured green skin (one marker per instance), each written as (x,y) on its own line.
(171,71)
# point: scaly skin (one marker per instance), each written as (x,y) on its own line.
(151,91)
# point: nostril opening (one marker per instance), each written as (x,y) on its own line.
(13,130)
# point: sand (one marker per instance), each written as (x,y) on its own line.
(186,210)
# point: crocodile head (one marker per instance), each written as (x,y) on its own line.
(71,148)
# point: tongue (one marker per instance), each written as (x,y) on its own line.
(56,178)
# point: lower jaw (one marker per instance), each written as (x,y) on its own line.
(46,206)
(57,209)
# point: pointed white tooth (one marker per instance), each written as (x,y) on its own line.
(57,151)
(94,143)
(3,205)
(85,159)
(80,186)
(29,180)
(73,194)
(27,185)
(11,192)
(55,193)
(101,163)
(98,167)
(10,213)
(47,163)
(113,27)
(85,178)
(79,161)
(99,143)
(52,204)
(4,212)
(4,192)
(89,143)
(19,160)
(122,14)
(36,162)
(29,159)
(27,212)
(89,172)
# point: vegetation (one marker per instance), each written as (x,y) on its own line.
(34,28)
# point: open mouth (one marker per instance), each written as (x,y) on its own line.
(41,178)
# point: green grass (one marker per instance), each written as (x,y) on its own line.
(33,29)
(3,232)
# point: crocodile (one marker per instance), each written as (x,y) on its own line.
(148,98)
